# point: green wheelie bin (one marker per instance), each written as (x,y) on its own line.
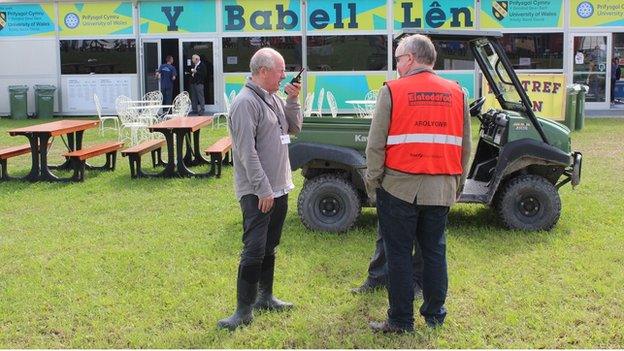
(570,106)
(44,101)
(18,97)
(580,107)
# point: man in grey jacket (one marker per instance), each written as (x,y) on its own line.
(260,124)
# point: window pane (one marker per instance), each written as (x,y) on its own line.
(98,56)
(453,55)
(348,53)
(534,51)
(238,51)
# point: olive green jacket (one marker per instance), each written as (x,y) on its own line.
(432,190)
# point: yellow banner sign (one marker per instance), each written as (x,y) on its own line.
(91,18)
(596,13)
(546,91)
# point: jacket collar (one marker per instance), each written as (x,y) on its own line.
(258,89)
(418,70)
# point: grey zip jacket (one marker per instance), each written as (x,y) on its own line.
(256,121)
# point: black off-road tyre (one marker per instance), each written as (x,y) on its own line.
(329,202)
(528,202)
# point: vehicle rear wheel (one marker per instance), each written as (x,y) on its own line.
(329,202)
(529,202)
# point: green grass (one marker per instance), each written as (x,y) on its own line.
(120,263)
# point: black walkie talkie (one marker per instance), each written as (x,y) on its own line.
(297,79)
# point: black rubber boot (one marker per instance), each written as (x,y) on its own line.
(246,292)
(266,300)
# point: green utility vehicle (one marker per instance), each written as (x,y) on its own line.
(520,162)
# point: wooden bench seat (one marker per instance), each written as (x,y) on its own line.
(134,156)
(219,153)
(78,158)
(11,152)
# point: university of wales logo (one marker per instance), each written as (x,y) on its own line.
(500,9)
(2,20)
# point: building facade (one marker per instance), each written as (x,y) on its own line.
(114,47)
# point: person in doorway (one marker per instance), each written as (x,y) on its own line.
(167,74)
(260,124)
(616,74)
(378,269)
(198,78)
(417,155)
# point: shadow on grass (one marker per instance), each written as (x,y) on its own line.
(480,226)
(473,218)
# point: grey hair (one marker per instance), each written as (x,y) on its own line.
(265,57)
(420,46)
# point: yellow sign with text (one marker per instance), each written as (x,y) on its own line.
(546,91)
(101,18)
(596,13)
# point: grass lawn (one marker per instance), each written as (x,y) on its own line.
(120,263)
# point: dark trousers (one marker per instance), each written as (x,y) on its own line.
(167,95)
(261,231)
(402,223)
(378,266)
(613,81)
(197,98)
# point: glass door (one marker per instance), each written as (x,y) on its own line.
(208,51)
(591,67)
(151,60)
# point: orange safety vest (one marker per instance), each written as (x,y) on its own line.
(426,125)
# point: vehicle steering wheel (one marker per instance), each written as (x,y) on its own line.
(475,106)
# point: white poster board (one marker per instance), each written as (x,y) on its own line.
(79,92)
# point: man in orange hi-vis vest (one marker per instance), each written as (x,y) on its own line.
(417,156)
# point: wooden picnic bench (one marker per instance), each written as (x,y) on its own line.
(79,158)
(41,135)
(8,153)
(219,153)
(182,136)
(134,156)
(11,152)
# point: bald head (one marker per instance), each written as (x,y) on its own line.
(267,69)
(265,57)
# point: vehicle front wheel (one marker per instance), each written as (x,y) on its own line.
(329,202)
(529,202)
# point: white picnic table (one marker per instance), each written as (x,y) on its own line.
(149,106)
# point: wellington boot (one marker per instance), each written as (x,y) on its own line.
(266,300)
(246,295)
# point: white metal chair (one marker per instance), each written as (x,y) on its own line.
(307,106)
(369,109)
(133,128)
(103,119)
(181,106)
(150,114)
(217,116)
(155,95)
(371,95)
(331,101)
(319,105)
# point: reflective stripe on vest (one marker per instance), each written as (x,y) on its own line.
(426,126)
(424,138)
